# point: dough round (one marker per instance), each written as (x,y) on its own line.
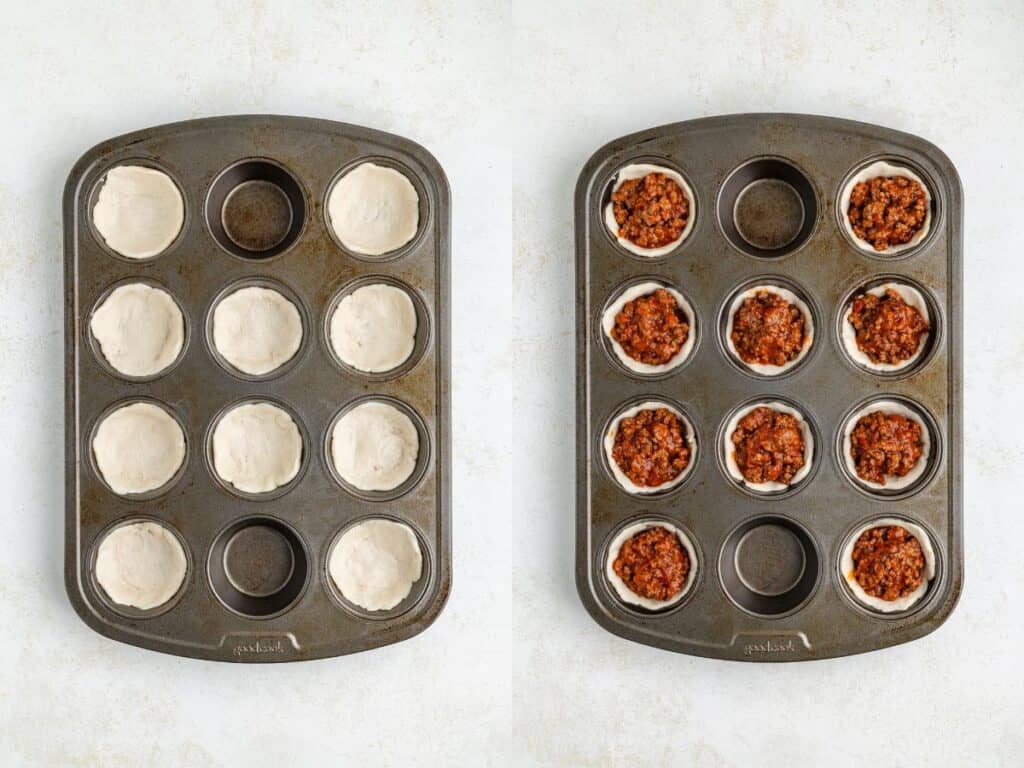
(139,211)
(373,329)
(373,210)
(140,329)
(141,565)
(256,447)
(375,563)
(256,330)
(626,594)
(374,447)
(876,603)
(138,448)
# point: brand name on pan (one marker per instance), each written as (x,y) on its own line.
(259,647)
(769,646)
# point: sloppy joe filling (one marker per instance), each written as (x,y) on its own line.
(653,564)
(888,330)
(888,562)
(651,211)
(885,444)
(650,448)
(887,210)
(652,329)
(769,446)
(767,329)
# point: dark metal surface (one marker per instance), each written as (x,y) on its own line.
(734,612)
(223,610)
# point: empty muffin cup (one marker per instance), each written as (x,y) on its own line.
(255,209)
(884,329)
(667,331)
(139,567)
(891,562)
(137,211)
(656,217)
(780,424)
(767,207)
(887,217)
(888,446)
(651,565)
(769,566)
(633,431)
(258,567)
(767,327)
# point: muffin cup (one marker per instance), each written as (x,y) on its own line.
(638,171)
(608,444)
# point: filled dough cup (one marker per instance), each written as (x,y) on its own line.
(376,327)
(376,448)
(914,297)
(138,449)
(138,330)
(727,449)
(137,211)
(883,169)
(373,210)
(789,293)
(255,329)
(139,567)
(636,171)
(608,448)
(376,567)
(629,294)
(622,591)
(879,605)
(256,449)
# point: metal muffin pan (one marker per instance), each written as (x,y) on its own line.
(766,189)
(256,587)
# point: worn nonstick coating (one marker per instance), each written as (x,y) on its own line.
(303,620)
(723,618)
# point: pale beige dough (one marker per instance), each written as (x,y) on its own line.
(373,209)
(140,329)
(374,447)
(375,563)
(256,447)
(374,328)
(256,330)
(138,448)
(139,211)
(141,565)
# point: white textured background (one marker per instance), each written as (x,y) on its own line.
(512,102)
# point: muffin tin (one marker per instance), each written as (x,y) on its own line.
(257,588)
(769,586)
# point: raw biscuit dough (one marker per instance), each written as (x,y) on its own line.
(141,565)
(138,448)
(256,447)
(374,447)
(257,330)
(140,329)
(139,211)
(373,209)
(375,563)
(374,328)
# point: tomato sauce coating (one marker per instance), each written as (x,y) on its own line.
(650,447)
(652,329)
(888,562)
(885,444)
(767,329)
(887,329)
(653,564)
(651,211)
(768,446)
(887,210)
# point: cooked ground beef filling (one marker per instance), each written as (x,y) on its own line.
(650,448)
(652,329)
(651,211)
(887,329)
(885,444)
(888,562)
(768,446)
(887,210)
(653,564)
(767,329)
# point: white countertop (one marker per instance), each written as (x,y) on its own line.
(512,103)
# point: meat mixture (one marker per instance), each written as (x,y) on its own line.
(650,447)
(885,444)
(888,330)
(888,562)
(653,564)
(651,211)
(887,210)
(652,329)
(769,446)
(767,329)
